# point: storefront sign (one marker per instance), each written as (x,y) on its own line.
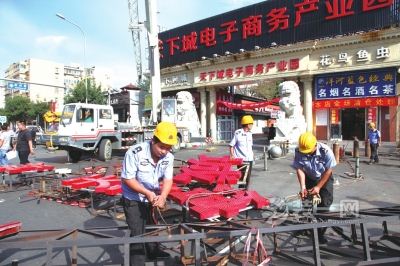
(375,83)
(335,119)
(249,70)
(356,103)
(270,23)
(178,80)
(361,56)
(371,113)
(224,97)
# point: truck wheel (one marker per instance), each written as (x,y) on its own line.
(74,155)
(177,146)
(105,150)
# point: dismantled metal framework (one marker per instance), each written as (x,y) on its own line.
(287,237)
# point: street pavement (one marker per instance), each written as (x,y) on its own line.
(378,187)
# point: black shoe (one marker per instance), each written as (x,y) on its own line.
(158,254)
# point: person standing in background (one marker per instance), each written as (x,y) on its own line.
(241,146)
(5,143)
(24,142)
(374,139)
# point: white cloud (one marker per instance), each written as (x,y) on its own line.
(50,40)
(234,4)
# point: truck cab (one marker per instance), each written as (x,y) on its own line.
(84,127)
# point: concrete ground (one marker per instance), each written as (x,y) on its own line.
(379,187)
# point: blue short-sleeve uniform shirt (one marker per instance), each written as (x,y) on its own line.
(139,165)
(374,136)
(314,165)
(242,143)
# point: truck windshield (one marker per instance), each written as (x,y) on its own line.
(67,114)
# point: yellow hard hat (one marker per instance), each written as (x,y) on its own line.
(307,142)
(167,133)
(372,125)
(247,119)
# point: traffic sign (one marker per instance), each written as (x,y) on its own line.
(17,86)
(3,119)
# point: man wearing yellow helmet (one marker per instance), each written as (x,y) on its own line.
(241,146)
(313,162)
(146,165)
(374,139)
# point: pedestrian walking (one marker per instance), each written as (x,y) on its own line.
(5,143)
(313,162)
(24,142)
(145,166)
(271,133)
(374,139)
(241,146)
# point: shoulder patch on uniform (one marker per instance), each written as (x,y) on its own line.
(137,150)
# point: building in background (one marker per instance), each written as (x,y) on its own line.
(344,55)
(49,81)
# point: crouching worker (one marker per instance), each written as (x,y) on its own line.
(145,166)
(313,162)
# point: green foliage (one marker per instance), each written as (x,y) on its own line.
(78,94)
(18,108)
(268,90)
(145,85)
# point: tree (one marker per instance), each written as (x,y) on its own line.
(18,108)
(78,94)
(21,108)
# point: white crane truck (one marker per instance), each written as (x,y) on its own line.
(91,128)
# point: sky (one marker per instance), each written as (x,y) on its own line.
(31,29)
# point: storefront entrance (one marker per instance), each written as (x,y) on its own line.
(353,123)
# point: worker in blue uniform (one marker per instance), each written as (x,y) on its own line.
(145,166)
(241,146)
(314,162)
(374,139)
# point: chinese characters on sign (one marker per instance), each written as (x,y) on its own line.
(249,70)
(274,17)
(221,108)
(356,103)
(335,116)
(361,56)
(371,113)
(379,83)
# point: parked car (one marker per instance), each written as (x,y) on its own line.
(38,132)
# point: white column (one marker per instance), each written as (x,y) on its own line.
(213,113)
(203,112)
(308,113)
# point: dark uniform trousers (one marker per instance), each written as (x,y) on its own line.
(326,193)
(374,152)
(137,215)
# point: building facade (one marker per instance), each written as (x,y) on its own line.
(348,75)
(49,81)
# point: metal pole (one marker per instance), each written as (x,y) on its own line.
(357,168)
(84,51)
(265,159)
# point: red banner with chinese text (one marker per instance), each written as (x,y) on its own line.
(356,103)
(250,106)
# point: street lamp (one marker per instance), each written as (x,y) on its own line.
(84,50)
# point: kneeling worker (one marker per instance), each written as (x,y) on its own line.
(313,162)
(146,165)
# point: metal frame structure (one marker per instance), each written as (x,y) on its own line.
(218,242)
